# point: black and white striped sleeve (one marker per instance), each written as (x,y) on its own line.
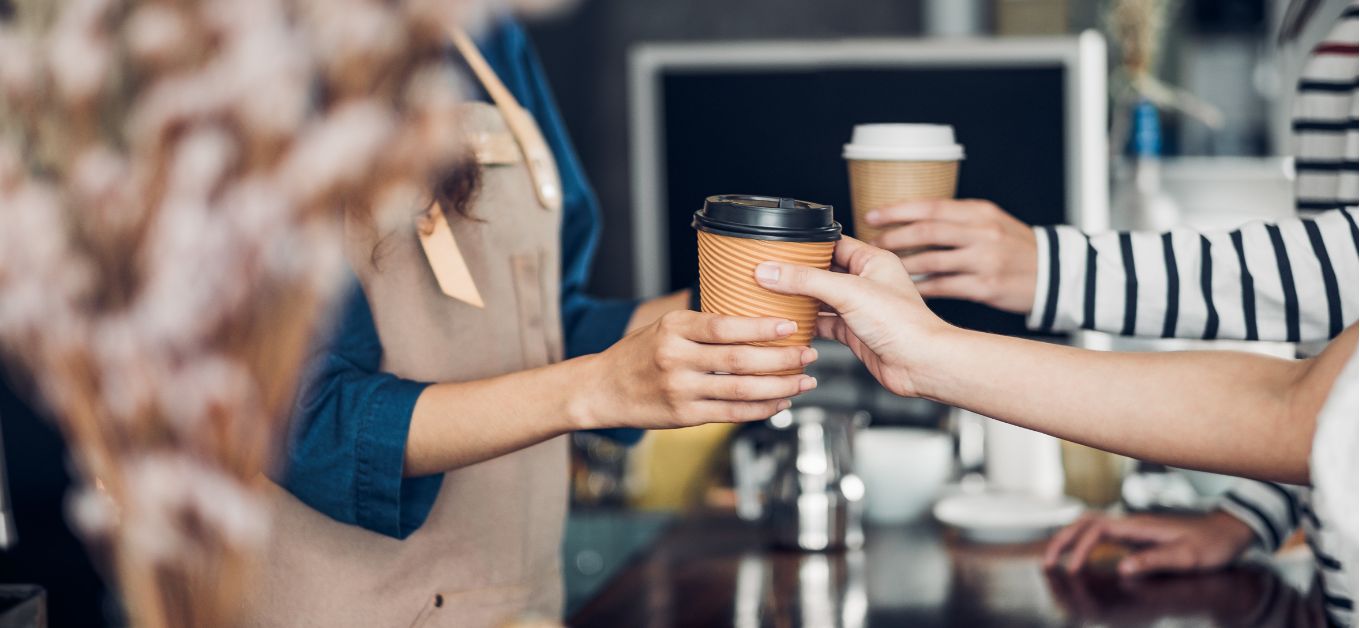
(1325,121)
(1275,511)
(1294,280)
(1270,510)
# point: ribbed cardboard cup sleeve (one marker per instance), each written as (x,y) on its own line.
(877,184)
(727,283)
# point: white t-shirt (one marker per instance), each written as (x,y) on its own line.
(1335,470)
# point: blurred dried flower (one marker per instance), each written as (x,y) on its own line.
(156,33)
(172,178)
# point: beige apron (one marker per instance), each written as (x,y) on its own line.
(488,553)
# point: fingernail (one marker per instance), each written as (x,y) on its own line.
(809,356)
(787,327)
(871,217)
(783,405)
(807,384)
(767,273)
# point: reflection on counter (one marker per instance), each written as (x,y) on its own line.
(717,571)
(827,590)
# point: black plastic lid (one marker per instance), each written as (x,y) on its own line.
(767,218)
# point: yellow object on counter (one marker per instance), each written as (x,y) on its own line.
(1091,475)
(672,469)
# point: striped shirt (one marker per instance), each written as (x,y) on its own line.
(1274,511)
(1335,468)
(1324,122)
(1294,280)
(1326,513)
(1325,143)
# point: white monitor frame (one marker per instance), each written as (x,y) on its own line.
(1082,56)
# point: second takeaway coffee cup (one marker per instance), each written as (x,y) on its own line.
(896,163)
(737,233)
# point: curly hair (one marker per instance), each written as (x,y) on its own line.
(456,188)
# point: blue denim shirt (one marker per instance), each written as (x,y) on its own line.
(351,420)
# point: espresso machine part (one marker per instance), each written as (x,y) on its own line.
(795,473)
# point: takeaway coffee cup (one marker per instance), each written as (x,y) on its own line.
(895,163)
(737,233)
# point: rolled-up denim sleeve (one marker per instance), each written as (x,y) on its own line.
(349,427)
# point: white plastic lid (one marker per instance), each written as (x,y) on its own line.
(903,142)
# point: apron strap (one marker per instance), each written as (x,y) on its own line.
(542,167)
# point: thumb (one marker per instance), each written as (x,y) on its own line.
(835,289)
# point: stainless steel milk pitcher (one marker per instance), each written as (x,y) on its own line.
(795,472)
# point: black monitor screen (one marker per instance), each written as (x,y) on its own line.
(780,133)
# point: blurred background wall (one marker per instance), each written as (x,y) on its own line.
(1223,51)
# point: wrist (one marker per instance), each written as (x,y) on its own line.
(928,366)
(582,404)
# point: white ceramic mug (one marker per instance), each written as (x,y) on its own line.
(903,470)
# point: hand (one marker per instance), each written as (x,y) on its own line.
(877,312)
(662,375)
(989,256)
(652,310)
(1170,542)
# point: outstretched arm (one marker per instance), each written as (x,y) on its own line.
(658,377)
(1235,413)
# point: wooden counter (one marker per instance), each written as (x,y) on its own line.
(717,571)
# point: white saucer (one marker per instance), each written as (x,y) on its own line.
(1006,517)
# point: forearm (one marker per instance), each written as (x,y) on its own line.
(659,377)
(1237,413)
(459,424)
(1219,411)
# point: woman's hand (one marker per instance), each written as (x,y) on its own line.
(1167,542)
(663,375)
(877,311)
(988,256)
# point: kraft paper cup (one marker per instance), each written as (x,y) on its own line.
(896,163)
(756,230)
(879,184)
(727,283)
